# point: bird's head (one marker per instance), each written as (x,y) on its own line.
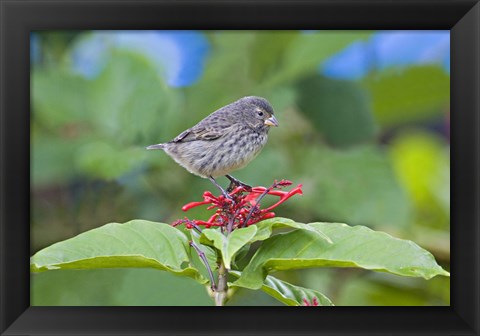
(257,113)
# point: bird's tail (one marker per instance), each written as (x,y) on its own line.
(159,146)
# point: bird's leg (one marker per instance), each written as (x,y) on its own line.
(224,193)
(236,183)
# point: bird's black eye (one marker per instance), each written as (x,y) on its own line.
(260,113)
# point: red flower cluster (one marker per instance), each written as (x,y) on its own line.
(243,209)
(313,303)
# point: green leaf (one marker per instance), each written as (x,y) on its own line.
(228,245)
(265,228)
(290,294)
(340,110)
(356,246)
(240,255)
(414,94)
(138,243)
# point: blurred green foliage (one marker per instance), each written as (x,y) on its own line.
(342,113)
(373,152)
(414,94)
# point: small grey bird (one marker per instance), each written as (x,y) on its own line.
(226,140)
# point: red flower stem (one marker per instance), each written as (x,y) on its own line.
(257,202)
(231,221)
(195,226)
(205,261)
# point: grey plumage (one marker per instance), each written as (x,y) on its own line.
(226,140)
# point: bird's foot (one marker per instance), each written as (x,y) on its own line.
(224,193)
(236,183)
(233,185)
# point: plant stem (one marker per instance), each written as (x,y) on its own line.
(222,287)
(205,262)
(256,205)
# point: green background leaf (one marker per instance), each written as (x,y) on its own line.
(307,51)
(355,185)
(116,287)
(414,94)
(340,110)
(54,110)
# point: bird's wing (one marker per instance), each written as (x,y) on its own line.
(199,133)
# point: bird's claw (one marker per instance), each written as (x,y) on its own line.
(237,183)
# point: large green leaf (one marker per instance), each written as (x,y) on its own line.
(340,110)
(356,246)
(138,243)
(414,94)
(290,294)
(265,228)
(228,245)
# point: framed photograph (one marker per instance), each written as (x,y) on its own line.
(162,158)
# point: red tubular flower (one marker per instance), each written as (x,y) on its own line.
(284,196)
(242,210)
(313,303)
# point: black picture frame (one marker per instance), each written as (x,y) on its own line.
(19,17)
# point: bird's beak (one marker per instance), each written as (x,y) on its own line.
(272,121)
